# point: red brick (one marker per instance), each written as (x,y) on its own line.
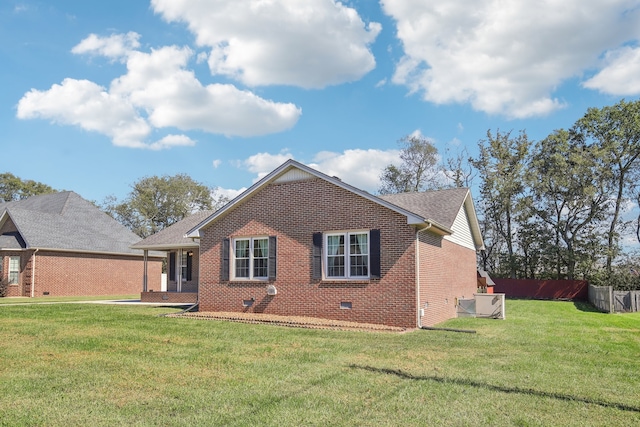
(293,211)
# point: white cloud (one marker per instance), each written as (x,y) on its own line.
(311,43)
(216,163)
(621,73)
(172,141)
(504,57)
(263,163)
(160,83)
(157,92)
(357,167)
(89,106)
(418,134)
(229,193)
(116,46)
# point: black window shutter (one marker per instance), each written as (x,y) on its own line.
(225,259)
(316,267)
(272,257)
(374,255)
(189,264)
(172,266)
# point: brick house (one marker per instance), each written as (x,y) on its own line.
(182,261)
(62,245)
(299,242)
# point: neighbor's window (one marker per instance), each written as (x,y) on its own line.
(251,258)
(347,255)
(14,270)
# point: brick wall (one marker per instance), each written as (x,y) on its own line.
(16,290)
(71,274)
(293,211)
(447,271)
(74,274)
(92,274)
(169,297)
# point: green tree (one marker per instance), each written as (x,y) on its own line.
(616,131)
(457,168)
(155,203)
(13,188)
(567,183)
(418,171)
(501,166)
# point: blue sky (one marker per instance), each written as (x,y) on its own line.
(97,95)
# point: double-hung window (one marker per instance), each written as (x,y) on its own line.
(183,265)
(14,270)
(251,258)
(347,255)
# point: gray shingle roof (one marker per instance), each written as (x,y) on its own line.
(440,206)
(11,241)
(174,236)
(66,221)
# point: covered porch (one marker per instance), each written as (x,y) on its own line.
(181,264)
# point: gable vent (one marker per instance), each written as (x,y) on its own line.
(294,175)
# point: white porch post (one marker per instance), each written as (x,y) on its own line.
(145,275)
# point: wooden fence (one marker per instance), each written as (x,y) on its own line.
(542,289)
(605,299)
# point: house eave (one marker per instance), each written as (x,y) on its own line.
(166,247)
(84,251)
(434,227)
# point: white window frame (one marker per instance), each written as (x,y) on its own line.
(347,255)
(251,258)
(183,263)
(14,260)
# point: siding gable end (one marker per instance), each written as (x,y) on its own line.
(462,230)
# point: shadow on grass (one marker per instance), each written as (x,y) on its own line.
(586,307)
(503,389)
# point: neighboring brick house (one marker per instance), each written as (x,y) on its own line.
(301,243)
(62,245)
(182,261)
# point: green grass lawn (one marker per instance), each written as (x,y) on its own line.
(42,300)
(548,363)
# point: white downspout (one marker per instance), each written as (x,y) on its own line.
(419,322)
(33,274)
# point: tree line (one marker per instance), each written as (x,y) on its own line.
(548,209)
(551,208)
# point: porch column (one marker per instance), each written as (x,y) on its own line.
(144,275)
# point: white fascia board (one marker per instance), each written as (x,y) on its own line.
(475,225)
(79,251)
(166,247)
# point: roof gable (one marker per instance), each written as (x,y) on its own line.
(441,206)
(66,221)
(415,212)
(293,170)
(452,207)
